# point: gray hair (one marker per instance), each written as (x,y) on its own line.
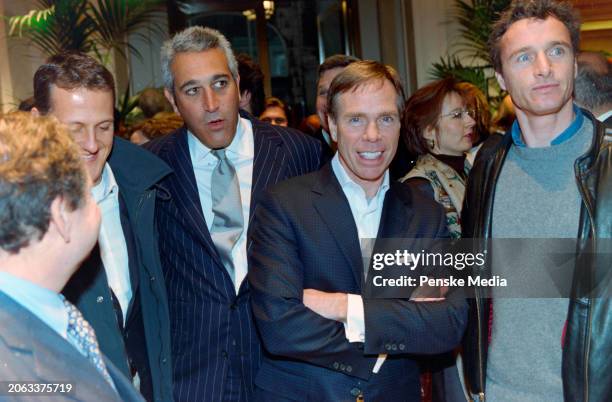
(592,89)
(194,39)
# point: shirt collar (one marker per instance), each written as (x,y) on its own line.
(564,136)
(106,187)
(44,303)
(345,180)
(604,116)
(326,137)
(238,147)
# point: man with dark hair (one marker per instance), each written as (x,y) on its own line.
(252,93)
(328,70)
(593,85)
(223,161)
(119,287)
(321,336)
(48,225)
(548,177)
(152,101)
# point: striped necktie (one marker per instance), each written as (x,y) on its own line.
(81,332)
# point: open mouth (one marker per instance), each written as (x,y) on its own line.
(216,123)
(370,155)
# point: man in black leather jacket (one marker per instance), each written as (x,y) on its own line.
(533,50)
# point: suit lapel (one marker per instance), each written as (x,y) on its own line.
(187,198)
(53,358)
(334,209)
(268,162)
(396,214)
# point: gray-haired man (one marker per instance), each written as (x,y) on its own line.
(222,163)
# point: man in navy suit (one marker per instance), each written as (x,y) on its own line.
(216,350)
(49,223)
(325,341)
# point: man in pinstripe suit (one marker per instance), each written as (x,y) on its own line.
(216,349)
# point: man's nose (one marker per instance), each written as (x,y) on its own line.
(372,132)
(211,101)
(542,65)
(89,142)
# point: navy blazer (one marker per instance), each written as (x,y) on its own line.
(31,351)
(212,327)
(304,236)
(136,172)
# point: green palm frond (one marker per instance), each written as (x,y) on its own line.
(116,19)
(87,25)
(452,67)
(469,59)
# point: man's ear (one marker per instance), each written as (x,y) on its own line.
(245,99)
(170,98)
(35,112)
(500,80)
(60,218)
(333,128)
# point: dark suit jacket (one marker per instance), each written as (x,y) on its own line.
(136,172)
(212,327)
(304,236)
(327,151)
(31,351)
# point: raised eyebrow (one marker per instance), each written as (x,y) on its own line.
(527,48)
(189,83)
(219,76)
(521,50)
(109,121)
(559,42)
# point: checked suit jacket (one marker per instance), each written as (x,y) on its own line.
(211,325)
(304,236)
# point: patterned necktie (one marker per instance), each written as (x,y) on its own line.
(84,335)
(228,222)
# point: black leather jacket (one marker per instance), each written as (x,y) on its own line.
(587,351)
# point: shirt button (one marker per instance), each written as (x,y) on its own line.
(152,278)
(394,347)
(355,391)
(99,299)
(388,346)
(402,346)
(342,367)
(164,360)
(349,369)
(336,365)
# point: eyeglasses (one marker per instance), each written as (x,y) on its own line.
(460,113)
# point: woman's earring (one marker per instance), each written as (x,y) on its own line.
(431,143)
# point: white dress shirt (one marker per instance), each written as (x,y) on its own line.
(241,153)
(366,214)
(113,249)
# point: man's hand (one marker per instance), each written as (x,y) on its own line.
(332,306)
(426,293)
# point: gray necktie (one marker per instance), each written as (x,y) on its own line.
(227,207)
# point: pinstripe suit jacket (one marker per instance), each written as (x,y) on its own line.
(211,326)
(304,236)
